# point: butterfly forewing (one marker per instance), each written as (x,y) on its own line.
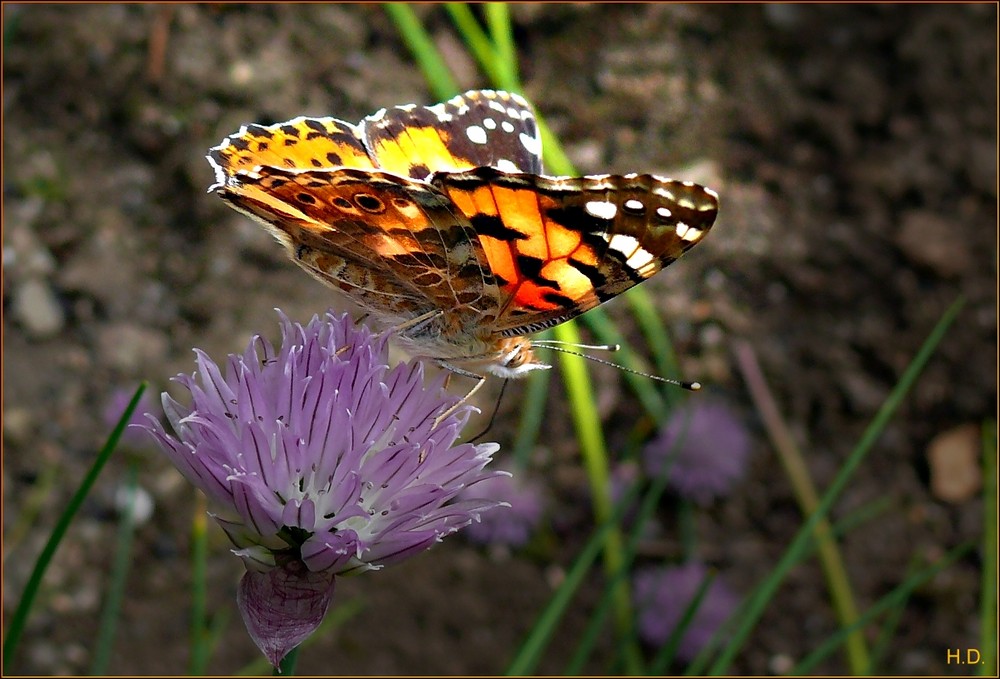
(560,246)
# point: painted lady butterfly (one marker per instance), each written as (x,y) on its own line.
(438,221)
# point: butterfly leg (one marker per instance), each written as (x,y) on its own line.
(441,418)
(480,381)
(422,318)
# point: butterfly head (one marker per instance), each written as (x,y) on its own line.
(514,358)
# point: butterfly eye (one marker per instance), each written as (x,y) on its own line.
(368,202)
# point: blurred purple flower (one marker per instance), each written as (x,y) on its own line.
(662,596)
(704,449)
(624,476)
(327,463)
(513,527)
(116,405)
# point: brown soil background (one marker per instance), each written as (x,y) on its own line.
(854,149)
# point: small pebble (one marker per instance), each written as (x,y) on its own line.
(954,462)
(38,309)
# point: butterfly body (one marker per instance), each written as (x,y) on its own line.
(438,222)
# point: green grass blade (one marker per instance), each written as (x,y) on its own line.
(528,656)
(595,628)
(657,338)
(200,632)
(502,33)
(589,434)
(475,39)
(797,471)
(593,450)
(556,160)
(988,595)
(119,578)
(435,70)
(889,602)
(650,502)
(17,622)
(844,526)
(31,508)
(218,623)
(887,632)
(532,415)
(592,632)
(668,651)
(607,332)
(759,601)
(644,514)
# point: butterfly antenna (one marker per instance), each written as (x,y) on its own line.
(557,346)
(493,417)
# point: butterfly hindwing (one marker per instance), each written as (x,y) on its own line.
(404,231)
(302,143)
(482,128)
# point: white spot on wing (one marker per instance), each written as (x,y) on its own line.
(640,259)
(440,112)
(497,106)
(601,209)
(505,165)
(490,124)
(532,144)
(637,256)
(664,212)
(476,134)
(665,193)
(624,244)
(507,127)
(688,233)
(633,204)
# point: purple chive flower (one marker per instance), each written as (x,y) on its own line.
(703,447)
(326,462)
(662,597)
(513,527)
